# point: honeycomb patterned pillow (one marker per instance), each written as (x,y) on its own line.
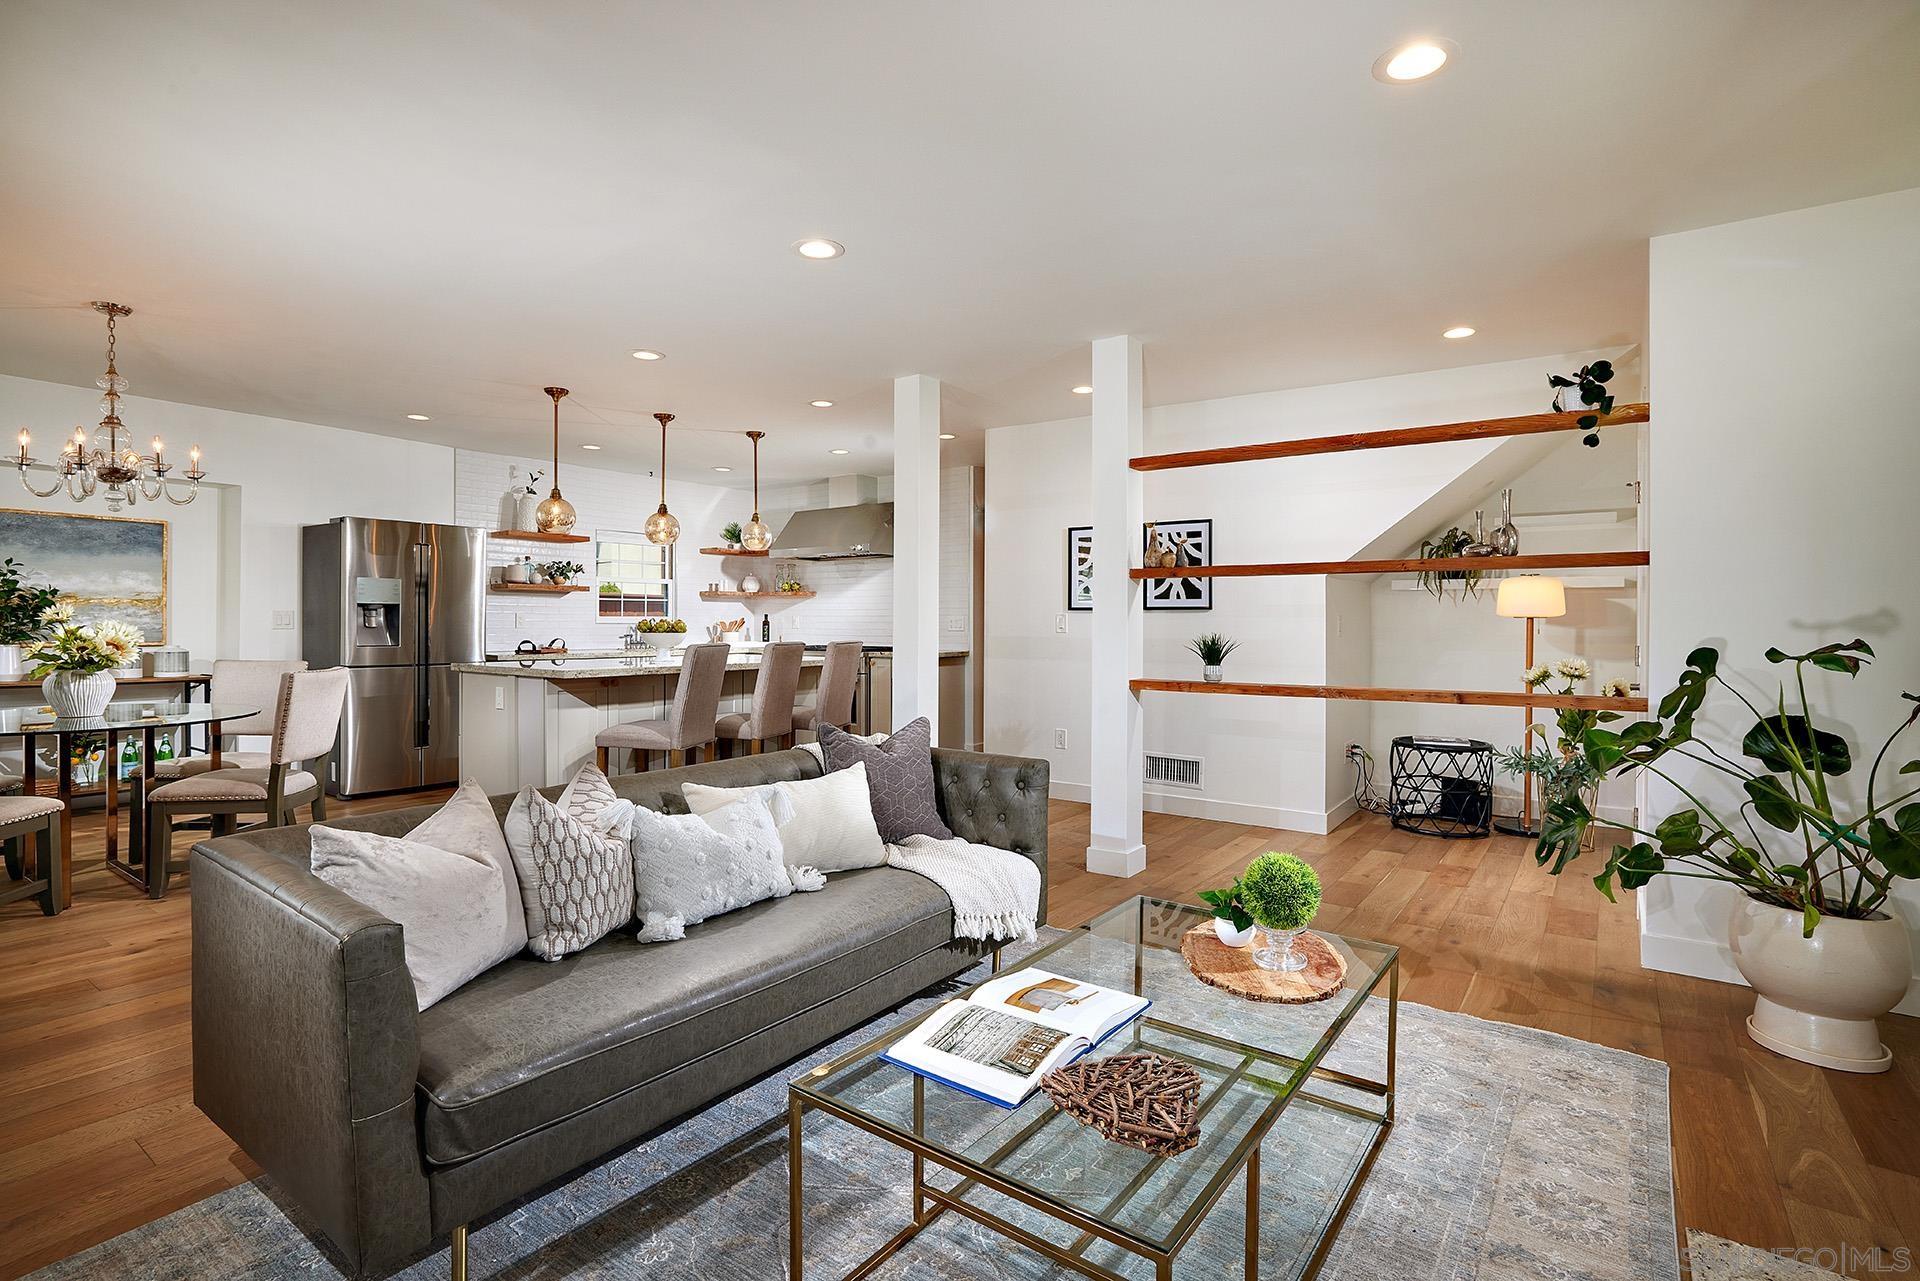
(576,877)
(899,778)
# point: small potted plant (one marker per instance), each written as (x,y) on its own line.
(76,662)
(1586,390)
(731,535)
(1450,545)
(1281,893)
(23,610)
(1212,650)
(561,572)
(1231,922)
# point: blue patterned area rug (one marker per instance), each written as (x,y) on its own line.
(1515,1154)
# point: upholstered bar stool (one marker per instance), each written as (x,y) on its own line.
(239,682)
(306,722)
(38,818)
(833,702)
(773,689)
(689,722)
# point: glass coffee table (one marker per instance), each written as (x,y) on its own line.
(1046,1182)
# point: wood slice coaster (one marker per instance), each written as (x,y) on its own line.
(1145,1101)
(1233,968)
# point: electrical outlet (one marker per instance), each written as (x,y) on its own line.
(1060,739)
(519,619)
(1355,751)
(1059,622)
(499,698)
(282,620)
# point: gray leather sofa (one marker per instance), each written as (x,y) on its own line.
(393,1127)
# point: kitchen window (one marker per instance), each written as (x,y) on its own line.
(636,577)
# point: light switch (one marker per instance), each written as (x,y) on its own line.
(1059,622)
(282,620)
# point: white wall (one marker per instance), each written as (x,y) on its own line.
(236,561)
(1266,760)
(1784,448)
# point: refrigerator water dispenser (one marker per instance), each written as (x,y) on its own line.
(377,621)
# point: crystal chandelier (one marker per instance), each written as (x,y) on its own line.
(110,459)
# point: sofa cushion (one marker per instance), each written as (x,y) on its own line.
(530,1043)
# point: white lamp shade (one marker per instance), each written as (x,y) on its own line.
(1531,596)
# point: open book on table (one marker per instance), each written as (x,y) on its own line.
(997,1043)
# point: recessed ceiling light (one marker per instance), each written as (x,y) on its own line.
(946,435)
(723,469)
(1413,61)
(1083,390)
(645,354)
(1458,331)
(821,404)
(836,451)
(589,446)
(419,418)
(818,247)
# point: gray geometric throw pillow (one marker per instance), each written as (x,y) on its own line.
(899,778)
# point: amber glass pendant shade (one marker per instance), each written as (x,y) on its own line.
(663,528)
(555,515)
(754,535)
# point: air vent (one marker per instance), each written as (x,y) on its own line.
(1180,771)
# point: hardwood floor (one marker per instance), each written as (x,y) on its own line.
(99,1132)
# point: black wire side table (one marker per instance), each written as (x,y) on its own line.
(1442,787)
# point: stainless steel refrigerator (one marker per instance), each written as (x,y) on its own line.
(394,602)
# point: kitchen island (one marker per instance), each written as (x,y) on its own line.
(532,721)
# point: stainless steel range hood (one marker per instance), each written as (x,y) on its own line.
(838,533)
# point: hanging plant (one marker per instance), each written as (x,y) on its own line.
(1586,389)
(1452,543)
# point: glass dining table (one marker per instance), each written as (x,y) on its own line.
(141,722)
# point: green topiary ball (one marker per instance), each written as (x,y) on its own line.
(1280,891)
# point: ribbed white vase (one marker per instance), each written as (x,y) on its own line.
(78,695)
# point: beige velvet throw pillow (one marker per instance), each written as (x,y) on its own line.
(466,825)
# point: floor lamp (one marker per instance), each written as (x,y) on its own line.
(1529,596)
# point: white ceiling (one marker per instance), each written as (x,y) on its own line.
(349,211)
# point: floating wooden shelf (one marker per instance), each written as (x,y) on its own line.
(1556,560)
(548,589)
(535,536)
(1373,694)
(758,595)
(1479,429)
(731,551)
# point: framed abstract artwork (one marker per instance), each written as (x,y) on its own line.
(104,566)
(1190,543)
(1080,567)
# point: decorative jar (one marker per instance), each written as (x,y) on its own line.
(1277,952)
(78,695)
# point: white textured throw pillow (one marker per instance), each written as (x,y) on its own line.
(825,823)
(466,825)
(576,876)
(449,906)
(688,867)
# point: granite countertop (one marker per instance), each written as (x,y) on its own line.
(577,669)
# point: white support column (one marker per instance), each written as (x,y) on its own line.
(1117,847)
(916,551)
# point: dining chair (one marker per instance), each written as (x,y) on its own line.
(833,700)
(306,722)
(37,818)
(688,725)
(236,682)
(771,717)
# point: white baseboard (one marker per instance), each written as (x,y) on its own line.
(1190,806)
(1704,959)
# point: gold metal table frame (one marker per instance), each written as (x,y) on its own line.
(930,1202)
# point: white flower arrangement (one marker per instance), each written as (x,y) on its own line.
(86,648)
(1617,688)
(1573,669)
(1536,675)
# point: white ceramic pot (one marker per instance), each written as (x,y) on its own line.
(9,660)
(750,584)
(78,695)
(1212,673)
(1817,997)
(1230,936)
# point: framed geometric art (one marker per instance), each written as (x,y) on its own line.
(1080,567)
(104,566)
(1191,543)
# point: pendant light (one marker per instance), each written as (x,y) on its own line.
(555,515)
(663,530)
(755,536)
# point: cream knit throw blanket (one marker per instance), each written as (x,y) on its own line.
(995,892)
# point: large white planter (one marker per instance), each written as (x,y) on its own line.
(78,695)
(1818,997)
